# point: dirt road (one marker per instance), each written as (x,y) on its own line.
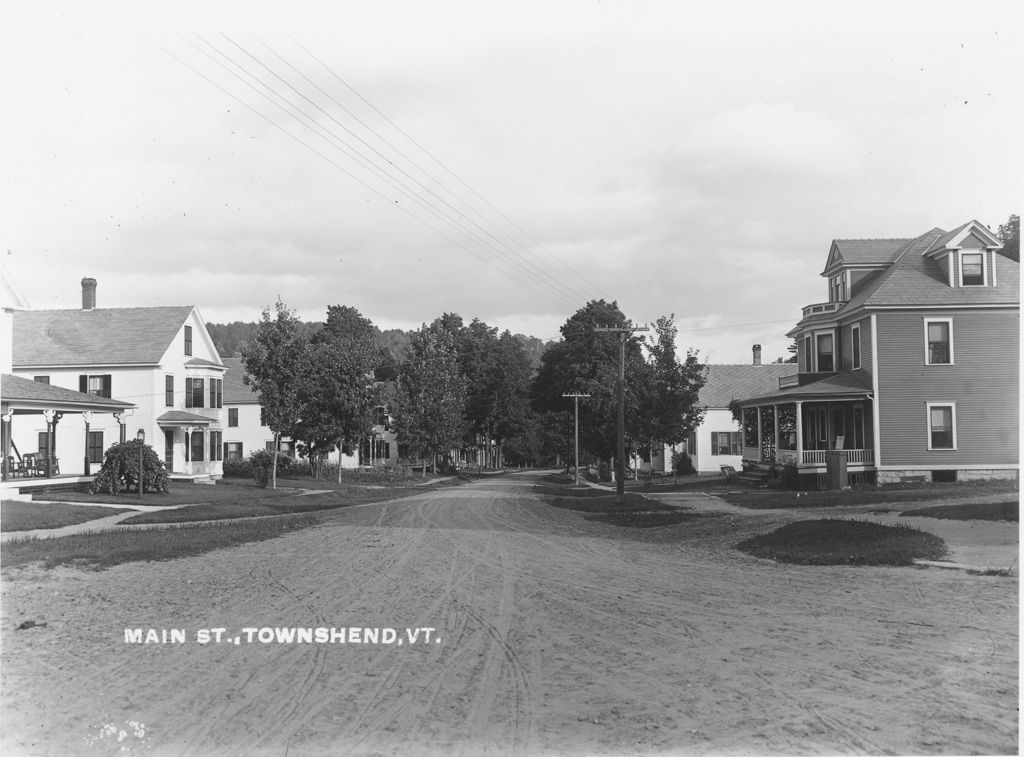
(554,634)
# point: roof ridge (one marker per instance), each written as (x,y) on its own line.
(93,310)
(870,239)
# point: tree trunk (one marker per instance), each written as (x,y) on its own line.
(273,464)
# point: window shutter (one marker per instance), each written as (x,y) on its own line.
(83,384)
(107,385)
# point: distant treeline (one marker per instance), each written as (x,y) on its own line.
(230,338)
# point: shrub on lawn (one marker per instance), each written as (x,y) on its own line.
(682,464)
(237,468)
(261,463)
(120,469)
(837,541)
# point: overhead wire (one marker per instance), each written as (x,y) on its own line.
(367,164)
(355,156)
(448,170)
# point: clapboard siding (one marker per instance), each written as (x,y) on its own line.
(983,382)
(865,346)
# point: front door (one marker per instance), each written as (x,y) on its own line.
(169,449)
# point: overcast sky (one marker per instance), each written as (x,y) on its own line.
(506,161)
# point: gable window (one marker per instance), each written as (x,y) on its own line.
(98,386)
(941,425)
(188,340)
(193,392)
(839,291)
(855,344)
(726,443)
(95,448)
(938,336)
(826,359)
(169,391)
(232,416)
(972,269)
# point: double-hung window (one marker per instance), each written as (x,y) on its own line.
(216,392)
(855,345)
(98,386)
(188,340)
(941,425)
(193,392)
(169,391)
(938,335)
(972,269)
(825,353)
(95,448)
(232,416)
(726,443)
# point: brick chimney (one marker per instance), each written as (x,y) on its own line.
(757,354)
(88,294)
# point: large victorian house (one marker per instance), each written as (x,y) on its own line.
(159,362)
(910,368)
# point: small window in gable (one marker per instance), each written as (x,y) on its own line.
(188,340)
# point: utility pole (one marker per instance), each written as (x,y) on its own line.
(624,333)
(576,401)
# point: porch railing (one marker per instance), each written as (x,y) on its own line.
(853,456)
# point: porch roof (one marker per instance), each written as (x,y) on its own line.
(22,395)
(840,386)
(181,418)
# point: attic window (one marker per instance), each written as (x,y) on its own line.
(839,288)
(188,340)
(972,269)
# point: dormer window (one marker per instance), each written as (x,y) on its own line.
(972,269)
(839,288)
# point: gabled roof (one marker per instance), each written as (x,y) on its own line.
(22,393)
(960,233)
(235,391)
(859,252)
(728,382)
(104,336)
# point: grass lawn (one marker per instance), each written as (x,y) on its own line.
(769,498)
(999,511)
(835,541)
(245,505)
(26,516)
(106,548)
(179,494)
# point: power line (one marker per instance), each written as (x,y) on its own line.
(327,159)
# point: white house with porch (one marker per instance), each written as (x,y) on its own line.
(160,362)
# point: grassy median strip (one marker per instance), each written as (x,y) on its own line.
(837,541)
(26,516)
(635,510)
(102,549)
(997,511)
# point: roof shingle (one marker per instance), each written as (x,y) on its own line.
(108,336)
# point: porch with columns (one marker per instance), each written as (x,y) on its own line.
(800,432)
